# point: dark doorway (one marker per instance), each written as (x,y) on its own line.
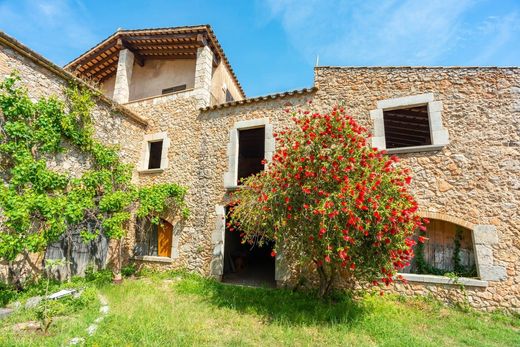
(250,152)
(247,264)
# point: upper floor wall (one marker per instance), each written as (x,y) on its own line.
(156,77)
(132,65)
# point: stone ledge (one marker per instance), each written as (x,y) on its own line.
(471,282)
(427,148)
(155,259)
(150,171)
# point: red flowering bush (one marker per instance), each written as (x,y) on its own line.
(329,199)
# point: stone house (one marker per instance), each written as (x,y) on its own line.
(173,103)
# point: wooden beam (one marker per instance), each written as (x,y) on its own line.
(414,123)
(103,71)
(179,37)
(123,44)
(106,74)
(417,142)
(407,131)
(101,64)
(164,57)
(94,52)
(167,51)
(166,45)
(201,40)
(407,113)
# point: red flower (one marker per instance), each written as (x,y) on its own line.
(421,239)
(273,253)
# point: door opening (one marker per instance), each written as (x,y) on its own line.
(247,264)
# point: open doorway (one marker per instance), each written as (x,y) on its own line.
(247,264)
(251,148)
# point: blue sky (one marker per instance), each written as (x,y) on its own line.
(272,45)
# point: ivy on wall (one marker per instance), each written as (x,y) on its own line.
(423,267)
(39,205)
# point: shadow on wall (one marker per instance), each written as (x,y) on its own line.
(24,268)
(81,254)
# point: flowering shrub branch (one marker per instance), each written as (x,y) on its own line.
(331,201)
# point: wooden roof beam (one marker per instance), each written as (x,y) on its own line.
(122,44)
(183,37)
(101,64)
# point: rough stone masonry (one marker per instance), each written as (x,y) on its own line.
(468,176)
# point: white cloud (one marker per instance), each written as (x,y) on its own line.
(63,25)
(500,31)
(394,32)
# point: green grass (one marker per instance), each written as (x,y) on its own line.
(187,310)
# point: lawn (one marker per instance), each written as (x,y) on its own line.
(185,310)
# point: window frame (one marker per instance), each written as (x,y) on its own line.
(438,134)
(174,254)
(145,152)
(231,176)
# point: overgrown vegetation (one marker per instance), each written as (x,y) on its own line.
(40,205)
(330,200)
(187,310)
(459,270)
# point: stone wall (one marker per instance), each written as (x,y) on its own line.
(472,181)
(114,127)
(475,178)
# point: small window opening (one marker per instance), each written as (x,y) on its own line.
(250,152)
(229,97)
(448,248)
(154,239)
(155,154)
(174,89)
(407,127)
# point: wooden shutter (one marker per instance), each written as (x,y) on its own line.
(165,234)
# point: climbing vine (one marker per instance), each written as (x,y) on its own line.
(459,270)
(38,205)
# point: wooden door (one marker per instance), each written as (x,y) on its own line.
(165,235)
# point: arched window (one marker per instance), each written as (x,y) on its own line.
(448,249)
(154,239)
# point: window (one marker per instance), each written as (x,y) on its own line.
(407,127)
(155,155)
(250,152)
(448,248)
(250,142)
(229,97)
(153,240)
(174,89)
(409,124)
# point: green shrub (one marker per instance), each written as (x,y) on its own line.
(7,294)
(129,270)
(98,277)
